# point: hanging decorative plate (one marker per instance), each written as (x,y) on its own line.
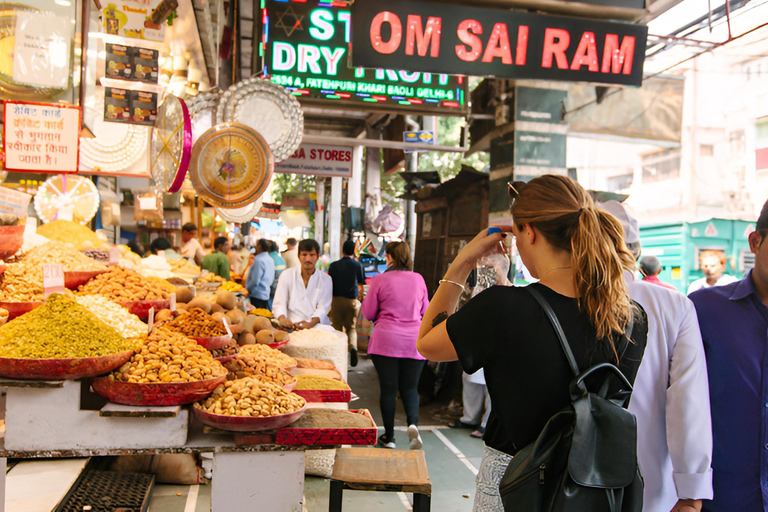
(9,88)
(267,108)
(242,214)
(202,110)
(67,197)
(171,146)
(117,146)
(231,165)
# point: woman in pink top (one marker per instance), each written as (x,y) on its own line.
(396,302)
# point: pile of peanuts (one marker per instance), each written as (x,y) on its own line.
(267,354)
(244,366)
(114,315)
(197,323)
(251,397)
(123,285)
(167,356)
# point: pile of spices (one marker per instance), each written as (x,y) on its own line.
(198,324)
(60,329)
(331,418)
(314,382)
(123,285)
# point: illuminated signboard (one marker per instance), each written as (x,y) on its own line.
(305,48)
(440,38)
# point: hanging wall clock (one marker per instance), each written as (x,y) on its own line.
(67,197)
(171,146)
(231,165)
(267,108)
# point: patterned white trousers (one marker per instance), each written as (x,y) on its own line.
(492,468)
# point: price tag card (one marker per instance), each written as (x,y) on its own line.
(53,278)
(114,255)
(147,203)
(173,302)
(226,326)
(150,320)
(65,213)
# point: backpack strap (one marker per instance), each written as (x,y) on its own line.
(556,326)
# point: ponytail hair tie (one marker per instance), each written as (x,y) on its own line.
(580,211)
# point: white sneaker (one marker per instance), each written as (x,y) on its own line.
(413,435)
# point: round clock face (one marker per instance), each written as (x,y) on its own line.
(171,144)
(231,165)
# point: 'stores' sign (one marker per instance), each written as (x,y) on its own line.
(318,161)
(440,38)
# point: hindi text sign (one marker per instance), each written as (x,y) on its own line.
(41,137)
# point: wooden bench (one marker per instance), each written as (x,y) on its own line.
(378,469)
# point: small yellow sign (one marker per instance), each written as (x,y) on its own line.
(676,273)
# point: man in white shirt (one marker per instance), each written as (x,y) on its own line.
(712,263)
(191,248)
(671,394)
(303,296)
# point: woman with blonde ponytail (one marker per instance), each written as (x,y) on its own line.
(577,253)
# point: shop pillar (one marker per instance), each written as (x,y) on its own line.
(334,221)
(531,140)
(354,187)
(320,212)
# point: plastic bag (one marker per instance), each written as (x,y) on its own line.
(148,205)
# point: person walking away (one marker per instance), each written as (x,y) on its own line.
(217,262)
(650,267)
(291,254)
(734,322)
(279,267)
(348,280)
(261,275)
(577,253)
(476,402)
(191,247)
(671,393)
(712,263)
(303,295)
(395,303)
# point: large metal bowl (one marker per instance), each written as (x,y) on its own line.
(171,393)
(247,423)
(58,369)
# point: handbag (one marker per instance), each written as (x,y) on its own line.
(585,457)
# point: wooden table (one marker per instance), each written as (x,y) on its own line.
(377,469)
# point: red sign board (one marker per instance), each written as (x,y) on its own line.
(459,40)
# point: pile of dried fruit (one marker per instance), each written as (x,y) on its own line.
(60,329)
(251,397)
(122,285)
(198,324)
(167,356)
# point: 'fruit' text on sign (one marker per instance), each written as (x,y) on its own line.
(441,38)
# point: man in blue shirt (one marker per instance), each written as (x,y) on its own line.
(348,281)
(734,326)
(261,275)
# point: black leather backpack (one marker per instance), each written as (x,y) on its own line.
(585,458)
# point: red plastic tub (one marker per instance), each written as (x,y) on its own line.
(57,369)
(171,393)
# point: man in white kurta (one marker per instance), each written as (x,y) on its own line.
(303,296)
(671,394)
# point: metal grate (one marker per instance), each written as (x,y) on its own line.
(109,491)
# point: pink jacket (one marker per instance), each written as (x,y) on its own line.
(396,301)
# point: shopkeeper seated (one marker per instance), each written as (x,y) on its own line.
(217,262)
(162,245)
(303,295)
